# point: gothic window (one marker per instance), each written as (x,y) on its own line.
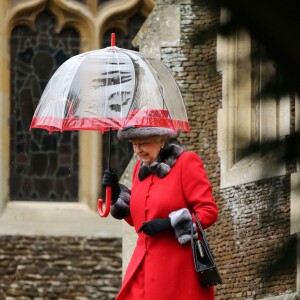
(60,172)
(43,166)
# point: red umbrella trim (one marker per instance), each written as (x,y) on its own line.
(56,124)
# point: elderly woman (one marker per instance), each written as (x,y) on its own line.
(168,184)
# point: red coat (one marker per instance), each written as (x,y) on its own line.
(160,267)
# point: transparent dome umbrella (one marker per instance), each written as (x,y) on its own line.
(110,89)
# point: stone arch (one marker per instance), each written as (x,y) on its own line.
(119,19)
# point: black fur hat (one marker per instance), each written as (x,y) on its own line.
(132,132)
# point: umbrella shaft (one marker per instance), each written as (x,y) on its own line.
(109,148)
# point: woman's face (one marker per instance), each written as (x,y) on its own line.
(148,148)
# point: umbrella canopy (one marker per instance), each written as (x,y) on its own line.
(110,88)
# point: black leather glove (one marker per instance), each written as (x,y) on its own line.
(111,179)
(155,226)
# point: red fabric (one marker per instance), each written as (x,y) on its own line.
(167,266)
(104,124)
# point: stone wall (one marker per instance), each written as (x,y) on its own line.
(254,249)
(194,67)
(59,268)
(252,236)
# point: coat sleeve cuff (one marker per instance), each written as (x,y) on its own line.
(120,209)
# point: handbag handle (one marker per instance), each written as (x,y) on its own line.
(200,227)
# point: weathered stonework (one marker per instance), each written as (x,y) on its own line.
(59,268)
(252,238)
(293,296)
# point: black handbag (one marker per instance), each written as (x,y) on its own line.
(203,259)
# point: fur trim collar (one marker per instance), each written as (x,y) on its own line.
(166,159)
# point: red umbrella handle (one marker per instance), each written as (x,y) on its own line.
(105,213)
